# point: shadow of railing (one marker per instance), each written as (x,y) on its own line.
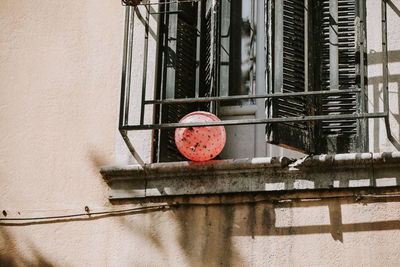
(376,99)
(393,7)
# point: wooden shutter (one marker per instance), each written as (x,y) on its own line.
(329,66)
(289,76)
(338,136)
(177,72)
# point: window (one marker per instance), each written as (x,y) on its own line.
(207,48)
(313,98)
(302,62)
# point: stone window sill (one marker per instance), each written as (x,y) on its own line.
(371,170)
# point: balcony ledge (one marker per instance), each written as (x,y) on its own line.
(268,174)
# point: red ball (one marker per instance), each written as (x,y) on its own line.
(200,143)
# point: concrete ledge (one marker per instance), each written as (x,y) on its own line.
(190,167)
(253,175)
(352,159)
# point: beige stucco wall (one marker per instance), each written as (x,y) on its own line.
(59,86)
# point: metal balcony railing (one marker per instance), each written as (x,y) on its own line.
(126,90)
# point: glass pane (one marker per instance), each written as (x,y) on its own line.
(237,49)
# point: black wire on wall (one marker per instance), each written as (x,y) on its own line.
(123,212)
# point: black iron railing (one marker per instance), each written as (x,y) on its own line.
(126,85)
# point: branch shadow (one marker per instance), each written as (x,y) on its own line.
(204,233)
(208,228)
(18,259)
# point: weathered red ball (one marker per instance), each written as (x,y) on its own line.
(200,143)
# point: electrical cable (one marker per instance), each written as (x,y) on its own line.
(172,205)
(83,214)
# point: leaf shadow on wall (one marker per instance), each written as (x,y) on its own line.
(207,226)
(10,244)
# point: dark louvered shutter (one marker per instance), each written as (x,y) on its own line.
(289,76)
(177,50)
(329,27)
(338,136)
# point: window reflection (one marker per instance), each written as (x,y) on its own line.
(237,48)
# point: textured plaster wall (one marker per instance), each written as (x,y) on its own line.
(59,83)
(59,80)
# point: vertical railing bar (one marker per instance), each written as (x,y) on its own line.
(260,144)
(268,43)
(362,124)
(306,29)
(270,72)
(362,59)
(384,59)
(145,57)
(129,65)
(217,92)
(214,90)
(385,88)
(253,33)
(333,45)
(164,52)
(198,51)
(123,75)
(309,66)
(278,47)
(125,82)
(213,50)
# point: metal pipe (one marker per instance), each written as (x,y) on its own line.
(256,121)
(239,97)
